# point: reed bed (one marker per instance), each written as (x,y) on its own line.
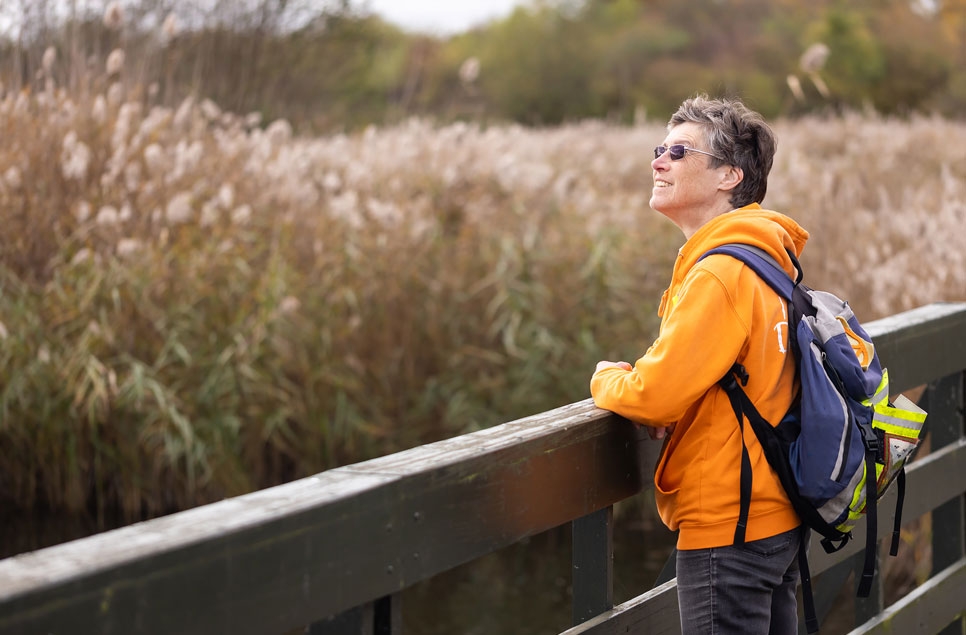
(195,303)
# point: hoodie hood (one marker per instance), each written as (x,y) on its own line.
(771,231)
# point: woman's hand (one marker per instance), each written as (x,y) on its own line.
(655,432)
(605,364)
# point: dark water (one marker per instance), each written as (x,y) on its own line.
(526,588)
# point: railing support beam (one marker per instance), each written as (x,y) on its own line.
(593,564)
(382,617)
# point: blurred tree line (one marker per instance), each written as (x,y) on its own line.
(332,65)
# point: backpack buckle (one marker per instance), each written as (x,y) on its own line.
(739,371)
(831,545)
(869,438)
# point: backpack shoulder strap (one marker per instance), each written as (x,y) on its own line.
(764,265)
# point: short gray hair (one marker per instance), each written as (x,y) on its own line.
(739,135)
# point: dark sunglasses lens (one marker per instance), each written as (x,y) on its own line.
(676,151)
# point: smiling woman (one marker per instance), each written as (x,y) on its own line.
(709,178)
(442,17)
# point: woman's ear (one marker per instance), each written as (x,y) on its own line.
(731,176)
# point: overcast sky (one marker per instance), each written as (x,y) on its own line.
(436,17)
(441,17)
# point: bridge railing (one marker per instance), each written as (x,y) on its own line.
(335,550)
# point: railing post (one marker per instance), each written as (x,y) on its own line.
(946,425)
(382,617)
(593,564)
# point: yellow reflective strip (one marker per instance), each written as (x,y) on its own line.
(892,414)
(859,491)
(881,395)
(859,502)
(887,423)
(882,392)
(898,431)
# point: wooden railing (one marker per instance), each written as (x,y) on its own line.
(334,550)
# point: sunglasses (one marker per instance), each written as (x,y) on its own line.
(678,152)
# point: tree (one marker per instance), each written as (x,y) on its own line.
(545,74)
(856,62)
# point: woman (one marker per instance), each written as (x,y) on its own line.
(710,176)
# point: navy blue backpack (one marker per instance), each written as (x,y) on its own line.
(843,442)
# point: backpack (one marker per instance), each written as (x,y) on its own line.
(842,443)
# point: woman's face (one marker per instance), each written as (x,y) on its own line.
(686,189)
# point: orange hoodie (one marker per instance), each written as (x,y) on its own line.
(714,313)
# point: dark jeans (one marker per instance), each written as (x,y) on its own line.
(744,589)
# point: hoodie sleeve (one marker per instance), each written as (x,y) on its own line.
(702,335)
